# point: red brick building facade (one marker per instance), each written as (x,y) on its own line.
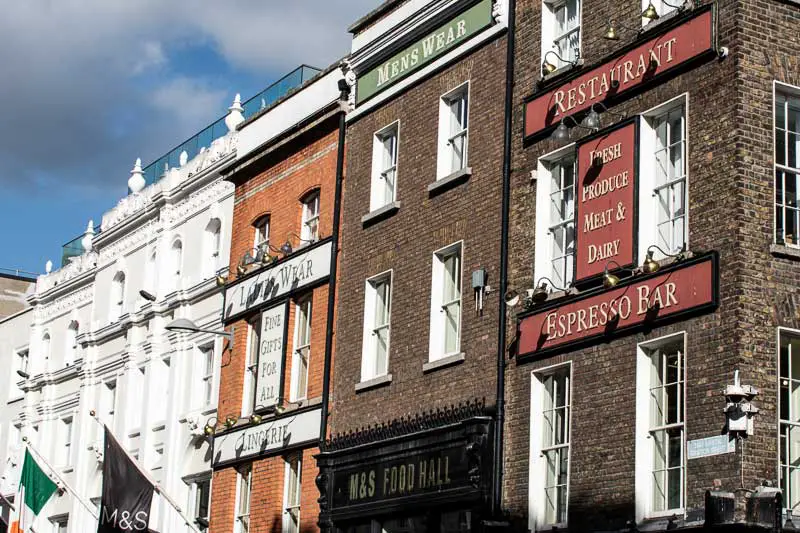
(617,424)
(276,306)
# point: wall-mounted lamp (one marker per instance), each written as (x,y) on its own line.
(650,265)
(23,374)
(561,133)
(611,280)
(230,421)
(211,427)
(186,325)
(220,280)
(541,292)
(549,68)
(611,31)
(593,118)
(147,296)
(255,419)
(650,12)
(511,298)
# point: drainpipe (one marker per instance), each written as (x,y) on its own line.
(337,206)
(497,496)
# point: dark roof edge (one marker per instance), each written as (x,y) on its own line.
(359,25)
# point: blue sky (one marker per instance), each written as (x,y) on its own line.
(90,85)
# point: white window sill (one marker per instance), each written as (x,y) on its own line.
(381,213)
(374,383)
(451,180)
(444,362)
(784,250)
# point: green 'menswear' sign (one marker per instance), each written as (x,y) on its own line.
(445,38)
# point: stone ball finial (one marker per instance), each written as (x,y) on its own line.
(48,267)
(136,182)
(235,116)
(184,158)
(88,237)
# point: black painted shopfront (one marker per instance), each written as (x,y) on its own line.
(429,473)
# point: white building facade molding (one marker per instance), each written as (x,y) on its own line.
(96,344)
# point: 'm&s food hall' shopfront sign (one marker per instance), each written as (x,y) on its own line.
(680,290)
(606,200)
(610,81)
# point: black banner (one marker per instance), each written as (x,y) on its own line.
(127,494)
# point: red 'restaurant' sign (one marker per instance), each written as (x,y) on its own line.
(652,58)
(605,197)
(685,289)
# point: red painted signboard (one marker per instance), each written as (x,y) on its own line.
(608,81)
(606,200)
(681,290)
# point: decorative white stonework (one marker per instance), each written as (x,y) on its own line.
(235,116)
(79,265)
(499,11)
(115,250)
(350,78)
(195,202)
(42,313)
(136,182)
(88,237)
(184,158)
(219,149)
(48,267)
(129,206)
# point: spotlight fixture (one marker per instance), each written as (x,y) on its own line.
(230,421)
(255,419)
(286,248)
(561,133)
(511,298)
(650,265)
(612,280)
(220,281)
(650,12)
(593,118)
(611,31)
(279,409)
(23,374)
(549,68)
(208,430)
(541,292)
(241,270)
(147,296)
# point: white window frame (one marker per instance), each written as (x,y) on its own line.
(381,194)
(550,35)
(193,503)
(46,350)
(537,460)
(176,262)
(793,425)
(648,200)
(369,349)
(207,364)
(289,506)
(241,520)
(213,246)
(261,233)
(645,443)
(309,230)
(437,346)
(60,523)
(447,137)
(151,274)
(792,92)
(118,288)
(109,390)
(22,363)
(67,433)
(661,8)
(71,343)
(543,254)
(251,365)
(301,348)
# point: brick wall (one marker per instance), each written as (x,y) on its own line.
(603,387)
(406,241)
(290,173)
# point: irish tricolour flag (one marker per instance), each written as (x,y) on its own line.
(35,489)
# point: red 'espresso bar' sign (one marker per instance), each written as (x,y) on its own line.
(652,58)
(606,197)
(681,290)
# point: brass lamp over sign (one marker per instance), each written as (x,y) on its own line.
(611,33)
(609,280)
(650,12)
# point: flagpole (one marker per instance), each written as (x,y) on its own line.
(60,479)
(156,486)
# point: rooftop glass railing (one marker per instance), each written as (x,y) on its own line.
(155,170)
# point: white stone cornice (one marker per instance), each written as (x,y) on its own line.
(77,266)
(171,214)
(117,248)
(65,304)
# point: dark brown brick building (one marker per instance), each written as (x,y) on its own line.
(415,375)
(615,398)
(272,380)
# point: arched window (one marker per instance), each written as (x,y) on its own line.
(71,343)
(261,226)
(150,281)
(213,246)
(46,352)
(176,260)
(309,232)
(117,296)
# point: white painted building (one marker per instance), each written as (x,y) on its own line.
(96,344)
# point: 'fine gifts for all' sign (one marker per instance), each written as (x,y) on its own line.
(625,72)
(433,45)
(271,351)
(606,199)
(683,289)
